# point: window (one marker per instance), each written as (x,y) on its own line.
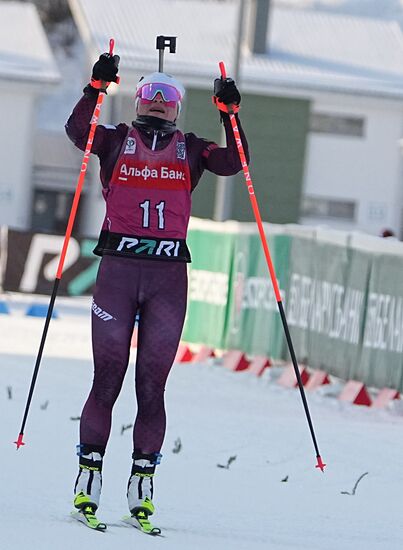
(318,207)
(51,210)
(339,125)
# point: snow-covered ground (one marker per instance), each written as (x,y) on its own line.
(270,497)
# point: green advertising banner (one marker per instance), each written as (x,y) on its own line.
(381,362)
(344,305)
(254,321)
(209,282)
(326,304)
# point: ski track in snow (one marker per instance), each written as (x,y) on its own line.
(216,414)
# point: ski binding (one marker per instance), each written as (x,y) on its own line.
(87,516)
(141,522)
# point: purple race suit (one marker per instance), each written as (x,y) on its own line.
(148,201)
(147,186)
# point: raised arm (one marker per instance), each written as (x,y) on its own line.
(224,161)
(78,125)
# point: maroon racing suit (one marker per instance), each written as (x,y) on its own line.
(147,177)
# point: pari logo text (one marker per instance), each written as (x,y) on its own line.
(149,247)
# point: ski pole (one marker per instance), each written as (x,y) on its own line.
(255,207)
(162,43)
(70,223)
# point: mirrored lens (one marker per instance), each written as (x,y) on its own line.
(168,93)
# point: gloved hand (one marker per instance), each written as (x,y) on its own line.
(226,91)
(105,70)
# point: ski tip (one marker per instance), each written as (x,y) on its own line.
(320,464)
(19,441)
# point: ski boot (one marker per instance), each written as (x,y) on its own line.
(140,492)
(87,489)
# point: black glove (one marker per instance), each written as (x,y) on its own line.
(106,68)
(226,91)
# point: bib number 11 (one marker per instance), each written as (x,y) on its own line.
(146,213)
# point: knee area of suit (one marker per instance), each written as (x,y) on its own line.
(149,389)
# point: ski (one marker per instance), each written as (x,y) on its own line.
(141,522)
(88,517)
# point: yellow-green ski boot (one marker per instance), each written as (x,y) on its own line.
(87,489)
(140,492)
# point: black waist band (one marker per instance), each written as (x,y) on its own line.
(133,246)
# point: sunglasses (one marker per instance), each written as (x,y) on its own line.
(169,94)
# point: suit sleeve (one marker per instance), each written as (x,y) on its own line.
(224,161)
(207,155)
(107,139)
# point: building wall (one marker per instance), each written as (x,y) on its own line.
(365,170)
(276,129)
(16,139)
